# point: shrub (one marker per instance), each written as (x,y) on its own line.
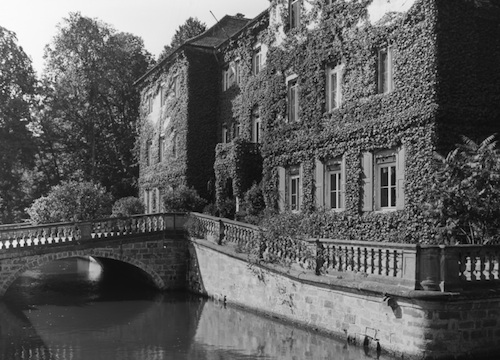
(465,198)
(127,206)
(182,199)
(71,201)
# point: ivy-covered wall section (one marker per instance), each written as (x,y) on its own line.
(239,163)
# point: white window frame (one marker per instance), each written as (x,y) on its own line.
(256,126)
(334,87)
(294,182)
(257,59)
(236,129)
(237,70)
(391,161)
(163,98)
(293,98)
(294,13)
(334,168)
(385,67)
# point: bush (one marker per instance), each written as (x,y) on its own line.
(465,198)
(127,206)
(182,199)
(71,201)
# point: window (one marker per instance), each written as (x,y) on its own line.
(175,84)
(293,99)
(161,148)
(330,184)
(259,58)
(290,187)
(384,180)
(237,70)
(228,76)
(256,126)
(163,97)
(385,71)
(294,13)
(294,188)
(333,87)
(225,134)
(149,155)
(149,104)
(236,129)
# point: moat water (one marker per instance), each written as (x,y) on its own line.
(70,309)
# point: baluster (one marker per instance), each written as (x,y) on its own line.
(490,266)
(482,264)
(474,267)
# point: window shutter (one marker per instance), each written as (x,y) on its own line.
(319,179)
(367,165)
(281,188)
(146,201)
(301,192)
(400,179)
(342,182)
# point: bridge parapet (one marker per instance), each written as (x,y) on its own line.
(47,234)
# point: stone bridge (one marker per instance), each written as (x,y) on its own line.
(153,243)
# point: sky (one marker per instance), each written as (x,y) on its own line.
(155,21)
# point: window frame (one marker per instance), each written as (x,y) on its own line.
(338,72)
(225,134)
(256,126)
(257,59)
(161,148)
(293,99)
(294,178)
(294,10)
(339,191)
(385,70)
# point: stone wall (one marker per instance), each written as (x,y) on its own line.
(161,256)
(420,324)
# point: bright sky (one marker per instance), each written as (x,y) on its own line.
(155,21)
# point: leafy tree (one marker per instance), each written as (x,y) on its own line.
(127,206)
(17,89)
(71,201)
(191,28)
(465,198)
(182,199)
(88,123)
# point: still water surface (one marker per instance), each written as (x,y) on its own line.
(70,310)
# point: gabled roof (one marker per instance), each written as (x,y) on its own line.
(211,38)
(220,32)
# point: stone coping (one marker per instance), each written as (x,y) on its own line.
(352,282)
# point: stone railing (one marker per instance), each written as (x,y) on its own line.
(419,267)
(46,234)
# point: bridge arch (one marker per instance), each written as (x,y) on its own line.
(40,260)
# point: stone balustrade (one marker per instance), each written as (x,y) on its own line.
(47,234)
(420,267)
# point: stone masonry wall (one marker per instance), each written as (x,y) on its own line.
(161,256)
(419,324)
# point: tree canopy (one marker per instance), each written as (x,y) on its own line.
(90,107)
(186,31)
(17,89)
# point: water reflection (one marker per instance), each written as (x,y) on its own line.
(37,324)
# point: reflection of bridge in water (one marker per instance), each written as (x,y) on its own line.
(153,243)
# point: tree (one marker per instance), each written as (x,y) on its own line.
(465,198)
(71,201)
(88,123)
(17,89)
(191,28)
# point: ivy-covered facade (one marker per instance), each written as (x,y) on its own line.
(339,117)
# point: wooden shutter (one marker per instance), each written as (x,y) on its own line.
(281,188)
(342,182)
(319,176)
(367,165)
(145,201)
(400,178)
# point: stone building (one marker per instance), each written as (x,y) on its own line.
(335,106)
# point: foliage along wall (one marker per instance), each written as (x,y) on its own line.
(240,160)
(183,90)
(366,121)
